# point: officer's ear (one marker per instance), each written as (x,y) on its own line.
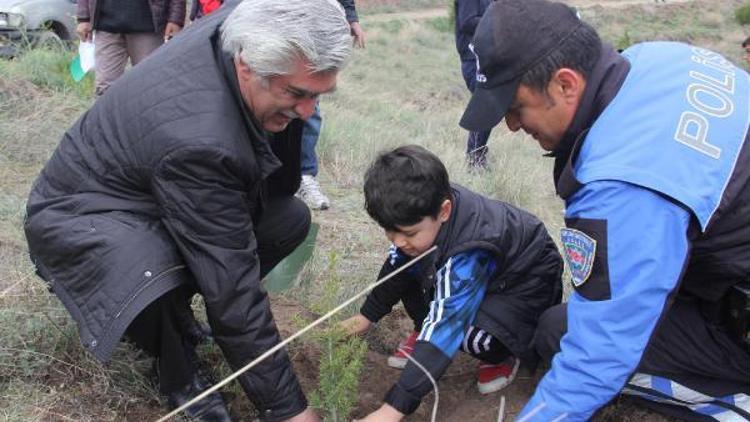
(567,85)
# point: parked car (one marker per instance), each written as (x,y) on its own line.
(35,23)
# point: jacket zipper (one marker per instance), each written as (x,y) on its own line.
(149,283)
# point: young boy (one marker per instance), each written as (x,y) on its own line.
(494,272)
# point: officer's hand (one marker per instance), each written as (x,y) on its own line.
(358,34)
(84,31)
(307,416)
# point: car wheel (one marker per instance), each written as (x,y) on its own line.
(50,40)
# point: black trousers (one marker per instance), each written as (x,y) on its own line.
(477,342)
(160,329)
(685,348)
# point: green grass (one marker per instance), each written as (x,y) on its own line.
(405,87)
(742,14)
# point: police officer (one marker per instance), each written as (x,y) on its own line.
(652,160)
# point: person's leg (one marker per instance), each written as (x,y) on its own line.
(310,135)
(140,45)
(309,189)
(689,364)
(476,143)
(157,330)
(498,367)
(693,363)
(553,324)
(283,227)
(476,149)
(484,346)
(110,57)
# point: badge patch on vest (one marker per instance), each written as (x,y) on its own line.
(580,250)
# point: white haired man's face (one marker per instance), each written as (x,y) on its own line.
(277,100)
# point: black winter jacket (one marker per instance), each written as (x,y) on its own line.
(527,282)
(162,180)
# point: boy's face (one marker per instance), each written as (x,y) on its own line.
(417,238)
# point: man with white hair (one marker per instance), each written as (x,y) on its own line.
(180,179)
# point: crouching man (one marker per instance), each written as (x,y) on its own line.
(181,179)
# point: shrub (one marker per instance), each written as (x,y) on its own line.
(743,14)
(341,357)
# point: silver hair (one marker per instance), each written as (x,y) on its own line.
(271,35)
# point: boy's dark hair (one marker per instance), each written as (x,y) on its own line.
(404,186)
(746,42)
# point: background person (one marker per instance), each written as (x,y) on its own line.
(182,179)
(653,162)
(468,13)
(126,30)
(309,190)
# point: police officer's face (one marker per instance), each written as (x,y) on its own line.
(276,100)
(546,115)
(417,238)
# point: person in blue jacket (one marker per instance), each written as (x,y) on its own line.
(652,159)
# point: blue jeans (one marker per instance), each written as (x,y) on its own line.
(310,134)
(476,144)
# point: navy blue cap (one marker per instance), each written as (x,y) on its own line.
(512,36)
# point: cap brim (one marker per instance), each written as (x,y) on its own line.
(488,106)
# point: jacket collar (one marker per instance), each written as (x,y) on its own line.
(601,87)
(267,161)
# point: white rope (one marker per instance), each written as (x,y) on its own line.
(501,413)
(432,380)
(299,333)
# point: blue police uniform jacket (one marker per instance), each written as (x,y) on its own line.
(657,201)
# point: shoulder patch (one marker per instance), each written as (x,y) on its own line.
(579,251)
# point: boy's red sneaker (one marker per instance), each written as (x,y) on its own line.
(496,377)
(399,358)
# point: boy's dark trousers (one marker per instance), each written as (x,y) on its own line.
(160,329)
(416,302)
(685,348)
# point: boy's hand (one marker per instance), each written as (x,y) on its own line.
(357,324)
(386,413)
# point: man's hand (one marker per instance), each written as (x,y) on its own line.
(386,413)
(171,30)
(358,34)
(307,416)
(357,324)
(84,31)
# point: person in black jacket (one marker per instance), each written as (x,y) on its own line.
(468,13)
(181,179)
(495,271)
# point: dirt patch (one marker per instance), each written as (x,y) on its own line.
(459,399)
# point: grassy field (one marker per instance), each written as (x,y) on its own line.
(405,87)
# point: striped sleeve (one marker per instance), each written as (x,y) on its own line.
(459,290)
